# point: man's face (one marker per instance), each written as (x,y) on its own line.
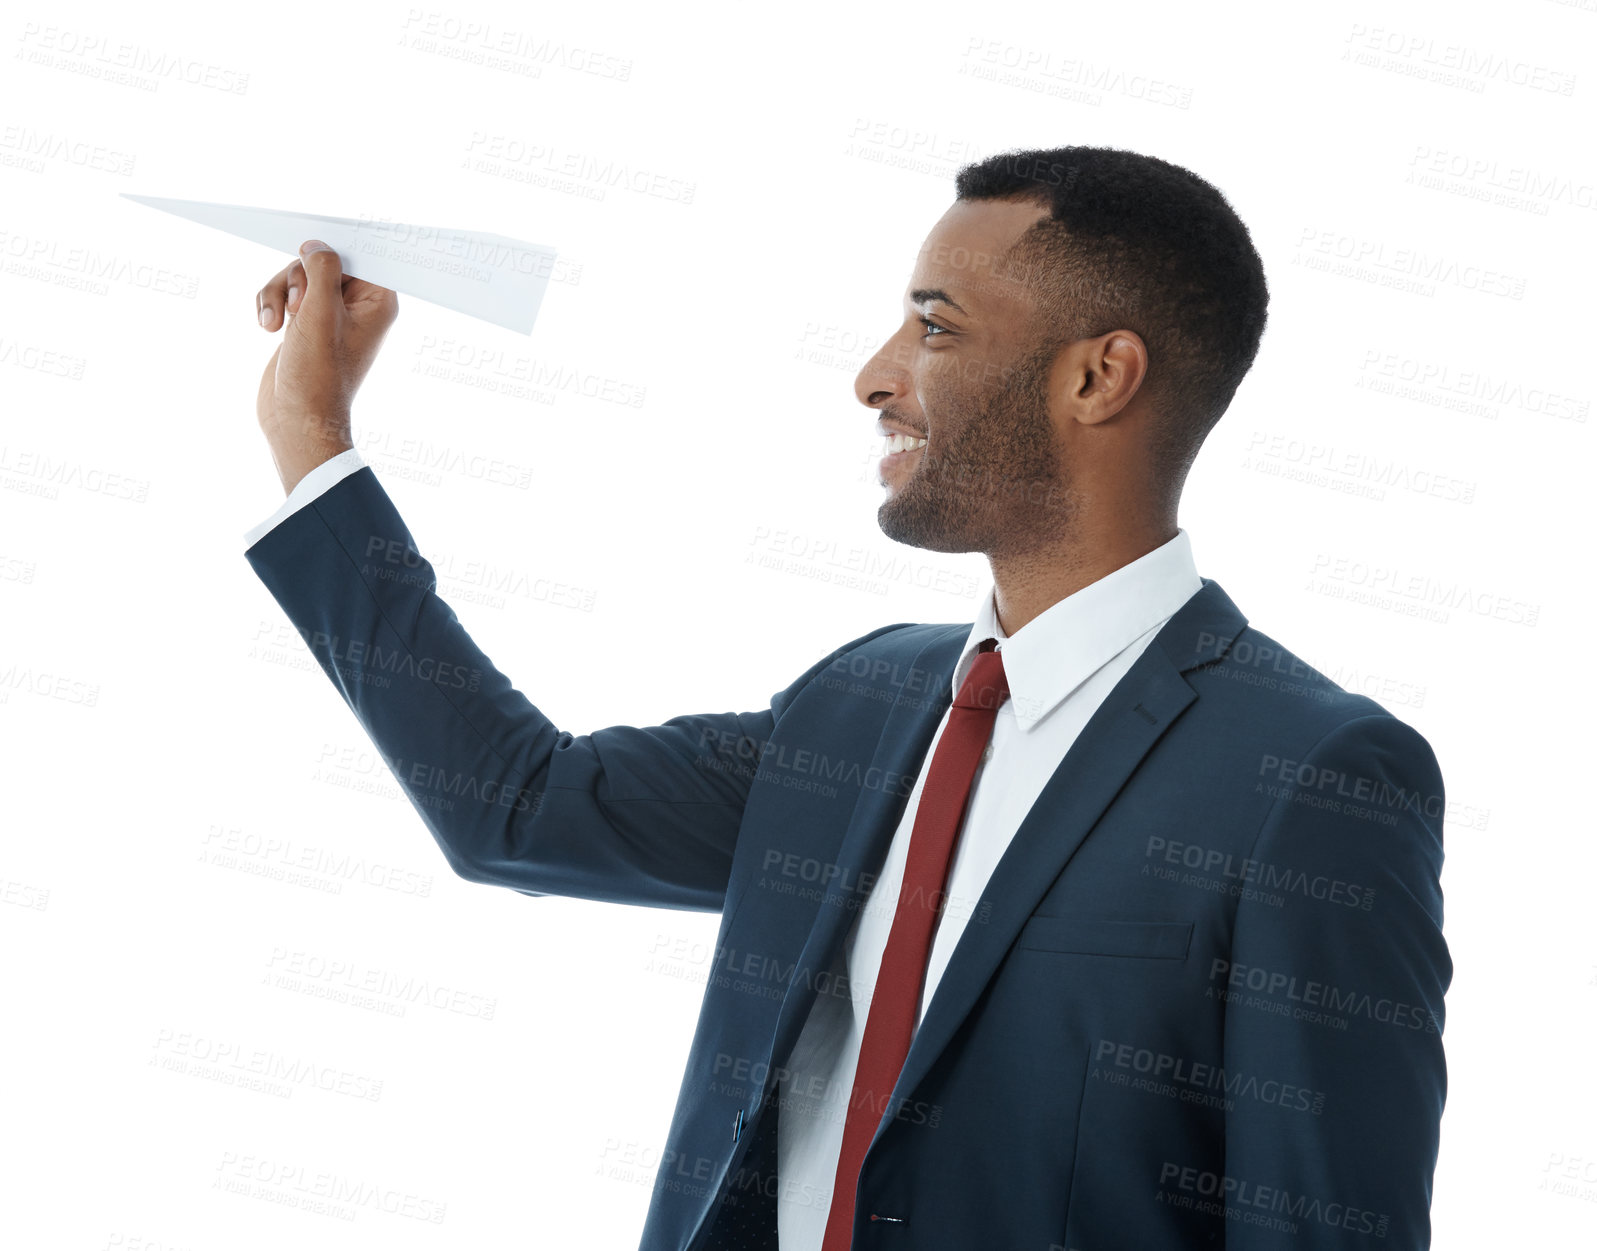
(975,386)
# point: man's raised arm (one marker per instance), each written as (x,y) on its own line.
(632,815)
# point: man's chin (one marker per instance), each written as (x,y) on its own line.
(910,526)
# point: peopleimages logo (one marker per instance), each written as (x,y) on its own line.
(1320,995)
(1270,877)
(1196,1076)
(1420,589)
(1239,1199)
(773,762)
(1307,777)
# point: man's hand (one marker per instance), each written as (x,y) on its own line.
(335,325)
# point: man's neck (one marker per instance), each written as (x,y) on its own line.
(1027,585)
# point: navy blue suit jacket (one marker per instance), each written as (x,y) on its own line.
(1199,1005)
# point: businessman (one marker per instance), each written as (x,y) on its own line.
(1101,922)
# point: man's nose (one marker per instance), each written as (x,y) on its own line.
(885,377)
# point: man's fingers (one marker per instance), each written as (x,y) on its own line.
(323,298)
(295,274)
(285,295)
(273,300)
(372,308)
(358,289)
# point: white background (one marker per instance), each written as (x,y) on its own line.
(157,709)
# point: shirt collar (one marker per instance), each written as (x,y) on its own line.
(1070,641)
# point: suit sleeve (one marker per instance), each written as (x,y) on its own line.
(319,480)
(1335,991)
(625,814)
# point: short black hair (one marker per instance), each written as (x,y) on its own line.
(1135,242)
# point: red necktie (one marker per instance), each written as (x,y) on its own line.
(891,1022)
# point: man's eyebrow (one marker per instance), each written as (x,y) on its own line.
(925,295)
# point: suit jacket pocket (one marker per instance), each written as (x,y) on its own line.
(1088,936)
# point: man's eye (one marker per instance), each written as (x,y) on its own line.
(931,325)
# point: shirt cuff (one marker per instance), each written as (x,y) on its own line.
(330,472)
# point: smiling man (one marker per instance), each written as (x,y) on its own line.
(1102,921)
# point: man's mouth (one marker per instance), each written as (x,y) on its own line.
(895,443)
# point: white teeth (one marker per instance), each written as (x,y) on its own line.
(903,443)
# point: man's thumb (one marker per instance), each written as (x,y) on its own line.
(324,284)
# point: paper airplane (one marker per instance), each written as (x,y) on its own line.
(488,276)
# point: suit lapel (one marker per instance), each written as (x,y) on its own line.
(1111,745)
(918,707)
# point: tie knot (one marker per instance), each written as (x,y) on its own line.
(985,685)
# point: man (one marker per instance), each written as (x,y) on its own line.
(1103,922)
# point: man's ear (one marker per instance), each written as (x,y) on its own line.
(1104,373)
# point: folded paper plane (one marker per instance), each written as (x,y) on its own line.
(488,276)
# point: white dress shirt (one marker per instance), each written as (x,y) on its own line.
(1060,667)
